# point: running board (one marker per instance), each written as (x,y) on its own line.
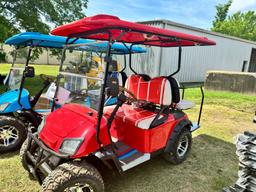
(194,127)
(133,160)
(126,156)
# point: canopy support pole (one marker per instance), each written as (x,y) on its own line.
(102,93)
(130,57)
(24,75)
(125,63)
(130,60)
(59,76)
(179,63)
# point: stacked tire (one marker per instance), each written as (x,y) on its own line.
(246,152)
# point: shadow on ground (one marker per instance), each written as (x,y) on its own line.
(211,166)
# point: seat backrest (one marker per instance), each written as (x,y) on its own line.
(157,90)
(175,89)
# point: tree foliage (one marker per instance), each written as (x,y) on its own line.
(242,25)
(37,15)
(221,13)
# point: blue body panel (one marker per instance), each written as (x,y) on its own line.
(11,97)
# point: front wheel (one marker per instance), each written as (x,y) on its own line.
(74,176)
(180,147)
(12,134)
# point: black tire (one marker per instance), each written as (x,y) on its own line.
(174,156)
(18,128)
(22,154)
(70,174)
(24,160)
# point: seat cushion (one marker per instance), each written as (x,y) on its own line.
(132,115)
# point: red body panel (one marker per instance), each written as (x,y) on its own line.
(144,140)
(131,124)
(73,121)
(135,32)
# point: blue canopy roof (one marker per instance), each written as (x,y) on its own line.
(36,39)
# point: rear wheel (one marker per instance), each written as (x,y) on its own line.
(12,134)
(181,147)
(74,176)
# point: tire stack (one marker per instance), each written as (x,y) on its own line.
(246,152)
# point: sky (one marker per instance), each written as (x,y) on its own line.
(197,13)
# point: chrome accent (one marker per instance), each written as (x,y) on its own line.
(8,135)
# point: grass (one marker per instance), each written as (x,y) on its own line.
(32,84)
(211,165)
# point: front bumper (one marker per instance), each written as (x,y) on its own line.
(40,161)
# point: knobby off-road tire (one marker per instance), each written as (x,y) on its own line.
(71,174)
(24,160)
(175,156)
(12,126)
(22,154)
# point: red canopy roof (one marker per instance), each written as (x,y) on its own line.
(100,26)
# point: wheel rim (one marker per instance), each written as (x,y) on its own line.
(8,135)
(80,188)
(183,146)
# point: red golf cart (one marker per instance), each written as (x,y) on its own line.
(147,120)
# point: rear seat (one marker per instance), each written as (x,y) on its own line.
(157,90)
(179,104)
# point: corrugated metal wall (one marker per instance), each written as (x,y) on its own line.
(228,54)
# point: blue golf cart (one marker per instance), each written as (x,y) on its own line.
(17,107)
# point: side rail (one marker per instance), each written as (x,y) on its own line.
(183,87)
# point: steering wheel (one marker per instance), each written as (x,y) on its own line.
(133,99)
(46,78)
(79,94)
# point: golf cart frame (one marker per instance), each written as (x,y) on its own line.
(97,142)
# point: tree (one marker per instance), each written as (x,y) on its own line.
(222,12)
(37,15)
(242,25)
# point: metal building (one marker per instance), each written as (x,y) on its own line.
(230,54)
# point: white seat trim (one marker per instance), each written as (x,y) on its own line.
(146,122)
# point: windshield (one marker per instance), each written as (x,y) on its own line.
(14,77)
(82,75)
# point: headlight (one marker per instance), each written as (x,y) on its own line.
(70,146)
(41,126)
(3,106)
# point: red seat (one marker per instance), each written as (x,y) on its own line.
(157,91)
